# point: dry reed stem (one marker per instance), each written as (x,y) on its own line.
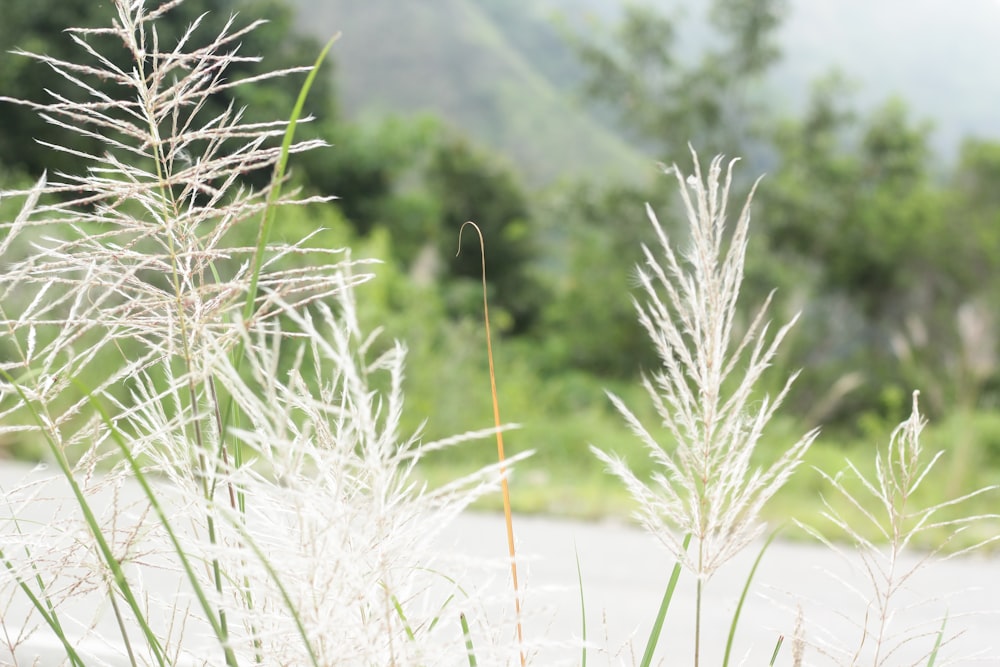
(504,488)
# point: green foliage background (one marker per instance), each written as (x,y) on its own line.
(892,255)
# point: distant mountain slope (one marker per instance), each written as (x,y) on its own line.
(499,70)
(940,57)
(450,57)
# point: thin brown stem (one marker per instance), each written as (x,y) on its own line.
(500,453)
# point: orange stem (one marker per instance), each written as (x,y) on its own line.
(496,421)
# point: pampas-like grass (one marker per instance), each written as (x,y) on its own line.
(706,487)
(889,583)
(233,486)
(704,392)
(288,521)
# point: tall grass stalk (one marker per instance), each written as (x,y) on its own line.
(501,455)
(131,276)
(888,501)
(705,392)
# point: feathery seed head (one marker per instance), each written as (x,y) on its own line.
(704,391)
(886,501)
(289,520)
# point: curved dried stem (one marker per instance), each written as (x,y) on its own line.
(504,488)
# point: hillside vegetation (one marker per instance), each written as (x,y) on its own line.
(503,72)
(452,58)
(891,256)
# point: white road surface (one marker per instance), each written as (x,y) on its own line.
(625,572)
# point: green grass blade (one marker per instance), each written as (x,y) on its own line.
(444,605)
(105,552)
(468,640)
(46,611)
(267,221)
(402,617)
(39,581)
(217,628)
(121,623)
(654,635)
(743,597)
(237,523)
(263,237)
(932,658)
(447,601)
(777,649)
(583,608)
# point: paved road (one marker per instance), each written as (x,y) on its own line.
(625,572)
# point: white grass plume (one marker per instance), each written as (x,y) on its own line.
(706,486)
(890,567)
(288,483)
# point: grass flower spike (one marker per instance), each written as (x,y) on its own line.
(230,382)
(888,502)
(707,487)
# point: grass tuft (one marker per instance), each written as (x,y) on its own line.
(259,428)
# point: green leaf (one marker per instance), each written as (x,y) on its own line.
(937,642)
(104,549)
(654,635)
(468,640)
(743,597)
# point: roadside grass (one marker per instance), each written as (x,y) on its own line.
(560,480)
(309,504)
(558,417)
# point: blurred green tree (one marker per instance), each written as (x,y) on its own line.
(900,252)
(666,97)
(975,208)
(668,91)
(593,242)
(469,184)
(856,197)
(38,26)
